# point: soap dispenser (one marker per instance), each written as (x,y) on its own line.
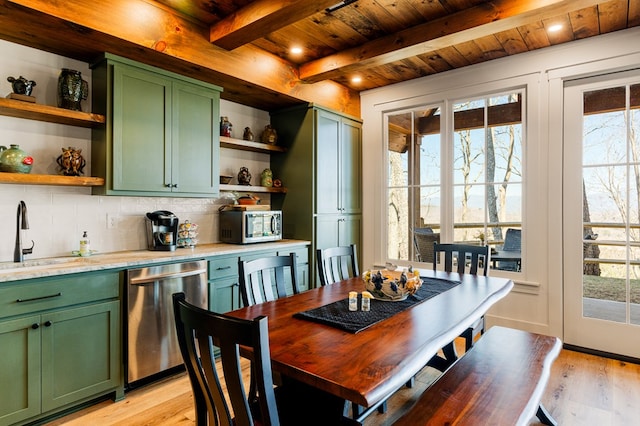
(85,245)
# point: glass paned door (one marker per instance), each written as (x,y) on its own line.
(602,216)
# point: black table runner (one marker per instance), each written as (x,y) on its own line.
(337,314)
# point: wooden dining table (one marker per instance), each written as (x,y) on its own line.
(367,366)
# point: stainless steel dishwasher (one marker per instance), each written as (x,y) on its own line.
(152,345)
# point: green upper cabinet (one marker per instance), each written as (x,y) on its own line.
(161,135)
(338,164)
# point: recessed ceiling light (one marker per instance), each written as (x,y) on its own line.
(356,79)
(296,50)
(555,27)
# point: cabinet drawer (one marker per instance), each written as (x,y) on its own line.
(302,254)
(223,266)
(50,293)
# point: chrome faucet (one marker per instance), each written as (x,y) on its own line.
(21,223)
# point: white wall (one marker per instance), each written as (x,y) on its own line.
(536,302)
(59,214)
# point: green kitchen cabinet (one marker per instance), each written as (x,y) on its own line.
(337,230)
(224,286)
(322,169)
(338,159)
(60,344)
(161,136)
(224,279)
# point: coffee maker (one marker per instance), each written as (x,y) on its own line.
(162,230)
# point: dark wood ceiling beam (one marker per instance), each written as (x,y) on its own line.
(260,18)
(141,31)
(473,23)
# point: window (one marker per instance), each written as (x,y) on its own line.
(468,190)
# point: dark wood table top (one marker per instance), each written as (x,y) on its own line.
(367,366)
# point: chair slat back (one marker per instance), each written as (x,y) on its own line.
(258,278)
(465,256)
(199,331)
(337,264)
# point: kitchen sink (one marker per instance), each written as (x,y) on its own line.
(5,266)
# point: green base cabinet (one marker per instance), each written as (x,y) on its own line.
(59,344)
(322,170)
(161,136)
(224,281)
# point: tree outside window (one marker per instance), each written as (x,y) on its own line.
(480,172)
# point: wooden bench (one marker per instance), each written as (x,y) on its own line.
(500,381)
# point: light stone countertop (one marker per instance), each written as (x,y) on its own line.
(49,267)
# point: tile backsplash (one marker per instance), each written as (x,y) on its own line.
(58,215)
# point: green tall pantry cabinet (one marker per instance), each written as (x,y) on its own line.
(161,137)
(322,170)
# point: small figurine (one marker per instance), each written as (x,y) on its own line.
(248,134)
(21,86)
(244,177)
(71,162)
(225,127)
(269,135)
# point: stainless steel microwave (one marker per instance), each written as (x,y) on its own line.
(244,227)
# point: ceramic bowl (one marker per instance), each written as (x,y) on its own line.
(391,285)
(248,201)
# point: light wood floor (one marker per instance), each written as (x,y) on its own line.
(583,390)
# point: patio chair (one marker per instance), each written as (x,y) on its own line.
(423,239)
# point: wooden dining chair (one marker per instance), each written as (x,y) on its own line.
(222,399)
(259,277)
(463,259)
(337,263)
(198,332)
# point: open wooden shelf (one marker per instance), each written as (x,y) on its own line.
(251,188)
(32,179)
(51,114)
(227,142)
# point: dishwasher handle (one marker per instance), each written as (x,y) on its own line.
(166,276)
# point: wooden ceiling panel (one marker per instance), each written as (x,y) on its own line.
(511,41)
(613,15)
(383,41)
(535,36)
(585,22)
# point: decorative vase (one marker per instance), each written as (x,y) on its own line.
(71,89)
(15,160)
(269,135)
(266,178)
(225,127)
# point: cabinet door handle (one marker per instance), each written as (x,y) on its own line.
(39,298)
(167,185)
(48,323)
(222,268)
(175,185)
(35,326)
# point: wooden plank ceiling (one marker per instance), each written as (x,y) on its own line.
(380,41)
